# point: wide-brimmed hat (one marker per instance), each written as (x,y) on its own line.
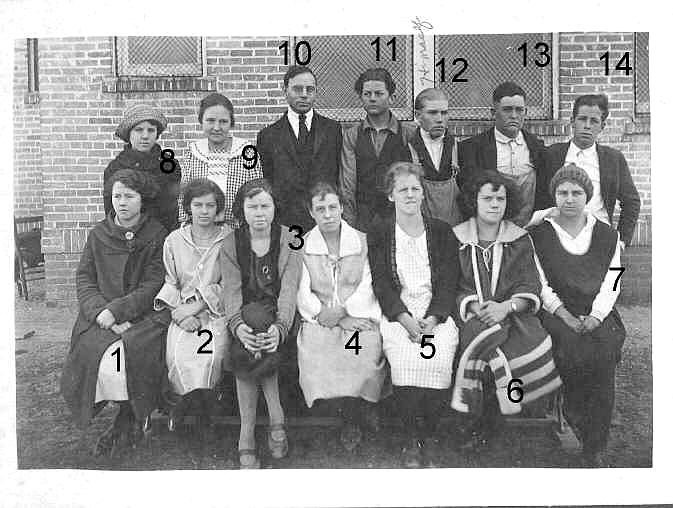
(140,113)
(574,174)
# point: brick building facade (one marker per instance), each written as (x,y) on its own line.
(63,132)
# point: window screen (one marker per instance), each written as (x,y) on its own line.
(159,56)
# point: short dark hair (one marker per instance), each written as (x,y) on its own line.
(375,74)
(216,99)
(141,182)
(401,168)
(600,100)
(467,199)
(321,189)
(427,95)
(507,89)
(249,190)
(296,70)
(201,187)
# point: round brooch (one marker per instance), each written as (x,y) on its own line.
(265,270)
(129,235)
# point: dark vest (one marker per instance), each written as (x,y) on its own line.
(575,279)
(370,193)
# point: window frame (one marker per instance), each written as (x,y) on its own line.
(120,54)
(641,108)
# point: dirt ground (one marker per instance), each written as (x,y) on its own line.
(46,437)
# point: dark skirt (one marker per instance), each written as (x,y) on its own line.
(244,364)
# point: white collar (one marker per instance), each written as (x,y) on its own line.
(349,242)
(425,135)
(501,138)
(591,151)
(201,151)
(291,113)
(591,221)
(467,234)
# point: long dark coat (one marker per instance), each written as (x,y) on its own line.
(123,276)
(164,207)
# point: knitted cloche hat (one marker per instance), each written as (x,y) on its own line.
(140,113)
(574,174)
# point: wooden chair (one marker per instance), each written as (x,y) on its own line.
(28,257)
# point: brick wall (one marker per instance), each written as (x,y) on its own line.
(27,157)
(64,142)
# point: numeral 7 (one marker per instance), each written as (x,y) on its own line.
(621,271)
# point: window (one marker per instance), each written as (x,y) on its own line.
(337,62)
(159,56)
(642,88)
(33,76)
(492,59)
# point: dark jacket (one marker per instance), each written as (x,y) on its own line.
(123,276)
(444,267)
(479,153)
(291,180)
(616,183)
(447,167)
(165,206)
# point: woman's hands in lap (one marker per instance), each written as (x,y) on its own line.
(120,328)
(105,319)
(185,310)
(329,317)
(190,324)
(269,341)
(250,340)
(412,326)
(491,313)
(360,324)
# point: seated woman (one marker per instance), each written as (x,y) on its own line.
(140,128)
(415,272)
(576,252)
(498,298)
(261,274)
(193,293)
(219,155)
(116,344)
(336,301)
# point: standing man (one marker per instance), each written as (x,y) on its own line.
(436,150)
(300,149)
(369,149)
(511,150)
(606,166)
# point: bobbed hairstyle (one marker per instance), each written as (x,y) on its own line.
(375,74)
(321,189)
(201,187)
(296,70)
(141,182)
(507,89)
(600,100)
(249,190)
(429,94)
(398,169)
(467,199)
(216,99)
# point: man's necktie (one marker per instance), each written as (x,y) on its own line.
(303,130)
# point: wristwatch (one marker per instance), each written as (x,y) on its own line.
(513,306)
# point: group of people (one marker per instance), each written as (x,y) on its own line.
(400,262)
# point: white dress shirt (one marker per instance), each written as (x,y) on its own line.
(606,297)
(513,154)
(435,147)
(293,118)
(587,159)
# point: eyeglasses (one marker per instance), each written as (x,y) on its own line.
(300,90)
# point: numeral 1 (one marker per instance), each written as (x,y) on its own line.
(119,360)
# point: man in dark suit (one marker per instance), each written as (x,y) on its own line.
(300,149)
(606,166)
(510,150)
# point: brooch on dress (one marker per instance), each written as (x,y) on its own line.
(129,235)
